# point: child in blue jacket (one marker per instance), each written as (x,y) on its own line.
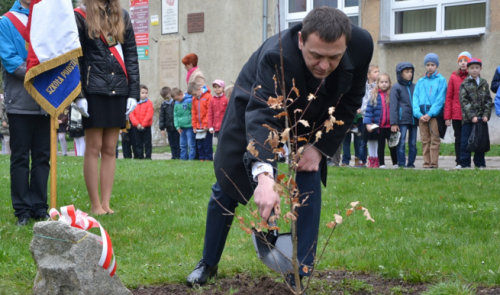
(428,103)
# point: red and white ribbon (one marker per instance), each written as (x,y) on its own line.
(82,220)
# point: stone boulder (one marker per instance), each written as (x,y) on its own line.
(68,268)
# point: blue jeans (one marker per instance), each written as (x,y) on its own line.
(412,145)
(174,141)
(219,221)
(346,146)
(479,160)
(205,149)
(188,139)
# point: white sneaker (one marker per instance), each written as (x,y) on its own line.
(395,166)
(382,167)
(458,167)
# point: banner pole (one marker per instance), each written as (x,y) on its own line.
(53,162)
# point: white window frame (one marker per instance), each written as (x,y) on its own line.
(287,18)
(440,6)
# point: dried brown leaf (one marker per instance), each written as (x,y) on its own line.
(305,269)
(297,111)
(331,224)
(331,110)
(247,230)
(273,139)
(349,212)
(318,135)
(367,214)
(338,218)
(311,97)
(281,177)
(251,148)
(282,114)
(269,127)
(258,87)
(255,214)
(354,204)
(304,122)
(275,102)
(290,215)
(285,135)
(263,224)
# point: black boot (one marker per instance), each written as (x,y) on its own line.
(290,280)
(201,274)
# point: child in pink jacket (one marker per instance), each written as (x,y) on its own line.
(217,107)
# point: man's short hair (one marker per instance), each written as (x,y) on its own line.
(165,91)
(192,87)
(176,91)
(328,22)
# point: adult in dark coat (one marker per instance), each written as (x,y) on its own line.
(325,46)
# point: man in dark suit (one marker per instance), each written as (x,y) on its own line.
(325,55)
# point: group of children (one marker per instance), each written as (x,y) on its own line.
(191,119)
(390,113)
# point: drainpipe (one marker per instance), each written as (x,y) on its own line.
(264,22)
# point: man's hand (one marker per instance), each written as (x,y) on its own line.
(369,127)
(163,132)
(310,159)
(265,197)
(179,130)
(394,128)
(474,120)
(448,123)
(205,129)
(485,119)
(359,111)
(4,124)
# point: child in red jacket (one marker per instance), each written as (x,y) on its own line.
(217,107)
(142,119)
(199,117)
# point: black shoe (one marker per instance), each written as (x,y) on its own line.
(22,220)
(42,216)
(290,280)
(201,274)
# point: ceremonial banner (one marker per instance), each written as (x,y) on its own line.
(52,73)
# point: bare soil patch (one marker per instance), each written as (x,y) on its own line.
(327,282)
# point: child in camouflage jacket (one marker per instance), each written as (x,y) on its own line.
(476,103)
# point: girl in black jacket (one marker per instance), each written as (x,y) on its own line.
(109,72)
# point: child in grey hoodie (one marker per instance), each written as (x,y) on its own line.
(402,118)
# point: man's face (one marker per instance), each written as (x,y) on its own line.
(322,58)
(25,3)
(407,74)
(431,68)
(474,70)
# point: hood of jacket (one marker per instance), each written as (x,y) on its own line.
(399,69)
(17,7)
(188,98)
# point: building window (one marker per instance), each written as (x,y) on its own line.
(296,10)
(425,19)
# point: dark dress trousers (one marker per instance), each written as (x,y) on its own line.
(244,118)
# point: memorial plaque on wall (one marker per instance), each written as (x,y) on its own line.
(169,63)
(196,22)
(169,16)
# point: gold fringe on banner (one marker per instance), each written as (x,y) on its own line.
(46,66)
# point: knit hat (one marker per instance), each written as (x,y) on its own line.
(220,83)
(475,61)
(431,57)
(465,55)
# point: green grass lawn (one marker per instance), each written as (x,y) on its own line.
(430,225)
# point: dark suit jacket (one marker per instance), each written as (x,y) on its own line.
(246,114)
